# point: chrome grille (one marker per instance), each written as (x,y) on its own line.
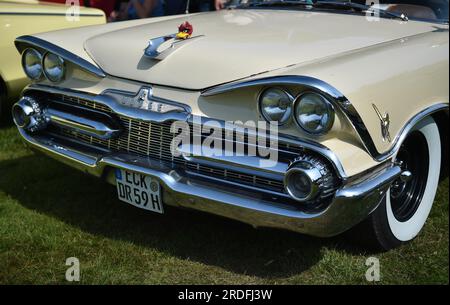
(142,138)
(87,103)
(154,140)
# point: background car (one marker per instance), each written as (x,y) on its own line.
(27,17)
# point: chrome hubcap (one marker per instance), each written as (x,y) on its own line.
(406,192)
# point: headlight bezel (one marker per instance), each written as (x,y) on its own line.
(61,76)
(262,112)
(24,64)
(329,108)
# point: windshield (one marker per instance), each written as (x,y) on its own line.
(422,10)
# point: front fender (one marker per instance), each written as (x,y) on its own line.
(406,78)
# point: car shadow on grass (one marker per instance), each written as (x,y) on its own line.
(6,120)
(46,186)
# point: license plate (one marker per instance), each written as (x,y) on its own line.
(139,190)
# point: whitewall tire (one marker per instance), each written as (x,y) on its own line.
(407,205)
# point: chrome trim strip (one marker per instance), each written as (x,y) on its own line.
(213,180)
(249,162)
(49,147)
(351,204)
(340,101)
(288,139)
(399,139)
(276,80)
(23,41)
(375,181)
(117,108)
(81,124)
(146,115)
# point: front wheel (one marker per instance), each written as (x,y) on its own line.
(403,212)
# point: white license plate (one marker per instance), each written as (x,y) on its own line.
(139,190)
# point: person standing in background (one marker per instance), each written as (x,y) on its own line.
(118,10)
(137,9)
(105,5)
(219,4)
(177,7)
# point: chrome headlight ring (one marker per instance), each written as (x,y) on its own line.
(313,113)
(266,100)
(32,64)
(54,67)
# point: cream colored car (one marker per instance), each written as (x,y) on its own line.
(28,17)
(349,106)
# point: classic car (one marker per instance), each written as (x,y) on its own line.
(28,17)
(349,101)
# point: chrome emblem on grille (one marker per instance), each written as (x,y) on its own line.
(145,100)
(147,103)
(143,97)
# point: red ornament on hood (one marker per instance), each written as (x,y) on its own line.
(185,30)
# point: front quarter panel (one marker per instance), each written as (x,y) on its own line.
(402,78)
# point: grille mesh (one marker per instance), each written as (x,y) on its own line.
(153,140)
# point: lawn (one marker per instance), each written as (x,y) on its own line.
(49,212)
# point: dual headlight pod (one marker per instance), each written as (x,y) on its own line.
(35,65)
(311,111)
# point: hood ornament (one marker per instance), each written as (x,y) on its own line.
(385,123)
(179,39)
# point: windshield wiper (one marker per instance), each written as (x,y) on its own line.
(276,3)
(347,5)
(360,7)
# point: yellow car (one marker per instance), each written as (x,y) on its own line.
(28,17)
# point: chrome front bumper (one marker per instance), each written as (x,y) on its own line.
(352,202)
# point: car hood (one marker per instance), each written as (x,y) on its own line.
(236,44)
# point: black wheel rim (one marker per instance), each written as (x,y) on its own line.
(406,196)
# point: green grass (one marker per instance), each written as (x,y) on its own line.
(49,212)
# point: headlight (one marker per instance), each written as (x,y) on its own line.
(32,64)
(54,68)
(276,105)
(314,113)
